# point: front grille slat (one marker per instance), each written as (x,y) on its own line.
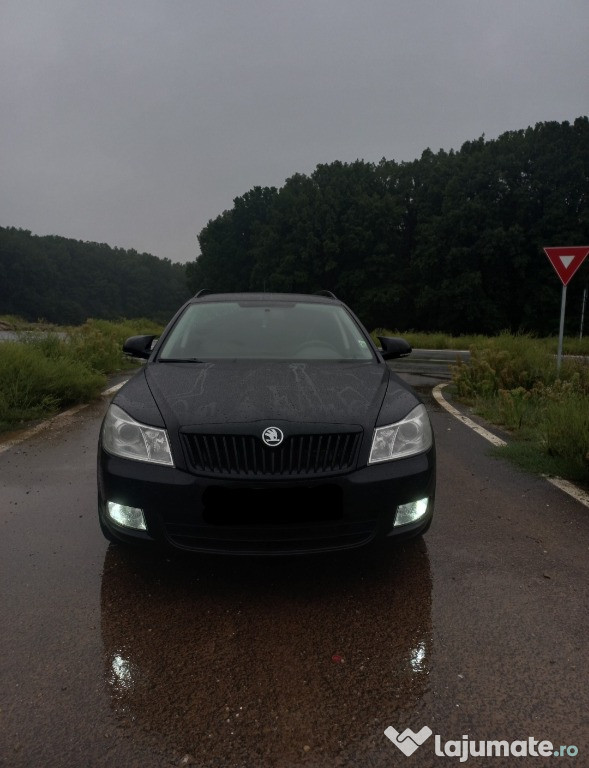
(328,461)
(247,455)
(344,448)
(337,448)
(234,453)
(317,454)
(226,454)
(217,454)
(208,462)
(309,453)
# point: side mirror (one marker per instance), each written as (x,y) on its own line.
(393,347)
(139,346)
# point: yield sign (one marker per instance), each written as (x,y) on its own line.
(566,260)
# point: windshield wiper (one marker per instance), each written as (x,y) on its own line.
(179,360)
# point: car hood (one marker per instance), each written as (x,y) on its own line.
(230,392)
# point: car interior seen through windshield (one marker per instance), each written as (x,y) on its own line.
(256,330)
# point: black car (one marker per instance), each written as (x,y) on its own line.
(265,423)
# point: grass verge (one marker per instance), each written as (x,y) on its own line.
(572,345)
(513,381)
(43,372)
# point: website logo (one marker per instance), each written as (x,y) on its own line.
(408,741)
(464,748)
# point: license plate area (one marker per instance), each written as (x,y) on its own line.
(272,506)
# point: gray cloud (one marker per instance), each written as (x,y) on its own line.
(135,122)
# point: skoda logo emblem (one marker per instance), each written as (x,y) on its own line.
(272,436)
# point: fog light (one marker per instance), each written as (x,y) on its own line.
(411,513)
(130,517)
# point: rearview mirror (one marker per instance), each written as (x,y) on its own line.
(393,347)
(139,346)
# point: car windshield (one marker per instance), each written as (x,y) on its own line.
(265,330)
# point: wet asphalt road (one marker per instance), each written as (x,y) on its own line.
(111,658)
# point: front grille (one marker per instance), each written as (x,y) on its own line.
(247,455)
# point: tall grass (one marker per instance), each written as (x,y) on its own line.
(572,345)
(420,340)
(513,381)
(34,384)
(42,373)
(506,362)
(99,343)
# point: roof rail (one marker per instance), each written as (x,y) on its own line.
(329,294)
(202,292)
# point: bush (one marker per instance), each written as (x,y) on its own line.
(33,384)
(45,372)
(513,381)
(506,362)
(100,342)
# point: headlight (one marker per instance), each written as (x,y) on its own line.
(396,441)
(123,436)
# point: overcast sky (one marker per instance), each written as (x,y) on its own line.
(135,122)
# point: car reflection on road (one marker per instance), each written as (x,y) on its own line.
(266,662)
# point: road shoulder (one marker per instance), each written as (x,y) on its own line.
(578,493)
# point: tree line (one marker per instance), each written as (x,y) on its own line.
(452,241)
(66,281)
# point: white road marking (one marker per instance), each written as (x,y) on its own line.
(32,431)
(437,392)
(25,434)
(577,493)
(564,485)
(112,390)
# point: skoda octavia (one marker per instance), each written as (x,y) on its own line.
(265,423)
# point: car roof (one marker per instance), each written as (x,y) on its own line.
(324,297)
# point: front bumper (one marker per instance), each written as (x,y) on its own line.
(253,516)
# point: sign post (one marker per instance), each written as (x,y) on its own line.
(566,260)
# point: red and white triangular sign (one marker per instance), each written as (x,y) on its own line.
(566,260)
